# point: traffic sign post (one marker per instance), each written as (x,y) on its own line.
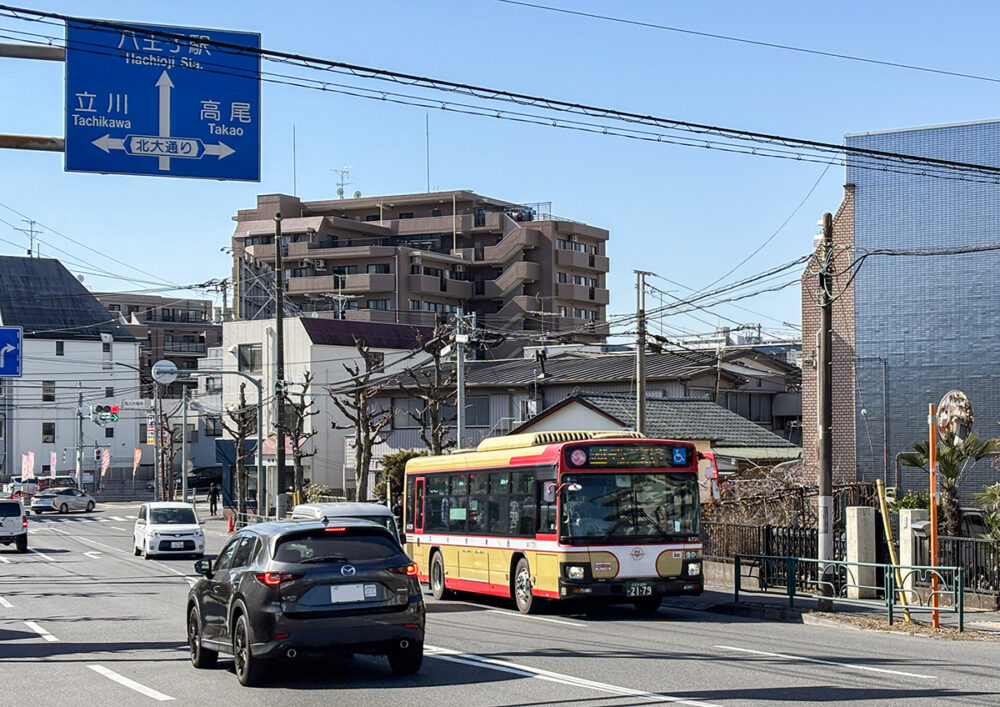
(162,101)
(11,351)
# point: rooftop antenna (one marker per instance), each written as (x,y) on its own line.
(32,232)
(343,173)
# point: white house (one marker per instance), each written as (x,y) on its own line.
(75,356)
(322,347)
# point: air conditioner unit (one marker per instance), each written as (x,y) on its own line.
(319,265)
(304,263)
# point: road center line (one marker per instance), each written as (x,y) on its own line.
(131,684)
(549,676)
(6,604)
(536,618)
(42,555)
(852,666)
(40,631)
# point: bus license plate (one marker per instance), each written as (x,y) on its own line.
(638,589)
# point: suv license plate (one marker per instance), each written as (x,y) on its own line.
(638,589)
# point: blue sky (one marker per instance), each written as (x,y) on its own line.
(688,214)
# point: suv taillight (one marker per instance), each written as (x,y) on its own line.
(408,570)
(274,579)
(24,521)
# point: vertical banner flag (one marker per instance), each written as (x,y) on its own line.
(31,466)
(24,466)
(52,464)
(136,458)
(105,461)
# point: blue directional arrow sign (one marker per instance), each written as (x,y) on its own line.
(162,101)
(11,351)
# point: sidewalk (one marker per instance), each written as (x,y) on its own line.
(774,606)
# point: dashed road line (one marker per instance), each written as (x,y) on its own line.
(41,554)
(6,604)
(40,631)
(549,676)
(851,666)
(512,614)
(131,684)
(4,560)
(115,527)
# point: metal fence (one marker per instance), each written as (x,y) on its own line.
(723,541)
(861,583)
(979,558)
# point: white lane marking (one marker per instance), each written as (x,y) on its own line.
(61,532)
(88,540)
(93,554)
(131,517)
(42,555)
(6,604)
(40,631)
(852,666)
(4,560)
(529,672)
(32,531)
(115,527)
(131,684)
(519,615)
(118,518)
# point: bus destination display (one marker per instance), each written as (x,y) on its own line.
(633,456)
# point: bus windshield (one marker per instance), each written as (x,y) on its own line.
(616,508)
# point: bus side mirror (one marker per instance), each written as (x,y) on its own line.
(549,492)
(712,470)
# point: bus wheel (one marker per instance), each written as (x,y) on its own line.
(438,589)
(526,602)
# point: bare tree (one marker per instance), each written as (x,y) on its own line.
(170,446)
(434,384)
(242,423)
(298,409)
(357,406)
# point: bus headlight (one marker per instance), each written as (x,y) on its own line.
(694,569)
(575,572)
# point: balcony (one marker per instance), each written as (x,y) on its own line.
(582,293)
(430,224)
(431,285)
(183,347)
(575,259)
(369,282)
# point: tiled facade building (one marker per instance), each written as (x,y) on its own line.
(908,329)
(412,258)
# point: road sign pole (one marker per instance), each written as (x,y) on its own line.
(932,459)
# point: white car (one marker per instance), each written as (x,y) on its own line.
(165,528)
(62,500)
(14,524)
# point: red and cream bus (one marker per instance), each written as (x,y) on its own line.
(558,515)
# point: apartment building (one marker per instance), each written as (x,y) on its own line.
(411,258)
(178,330)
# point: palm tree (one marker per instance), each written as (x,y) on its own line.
(952,460)
(989,500)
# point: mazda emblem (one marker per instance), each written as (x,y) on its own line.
(348,570)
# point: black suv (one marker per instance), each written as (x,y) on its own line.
(288,589)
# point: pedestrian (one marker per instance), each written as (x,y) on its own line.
(213,498)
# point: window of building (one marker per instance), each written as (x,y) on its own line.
(406,214)
(434,272)
(142,433)
(114,308)
(373,217)
(561,244)
(378,268)
(48,433)
(106,347)
(109,432)
(192,433)
(403,412)
(48,391)
(415,305)
(562,312)
(249,358)
(60,348)
(378,359)
(562,277)
(167,315)
(477,411)
(188,365)
(301,272)
(213,384)
(195,315)
(378,304)
(434,307)
(435,212)
(592,249)
(109,392)
(213,426)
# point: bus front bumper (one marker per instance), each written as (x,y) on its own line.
(631,589)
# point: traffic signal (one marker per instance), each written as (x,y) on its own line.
(102,414)
(114,413)
(97,454)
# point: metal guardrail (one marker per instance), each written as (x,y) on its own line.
(848,583)
(241,520)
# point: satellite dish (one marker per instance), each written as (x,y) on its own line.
(340,192)
(80,278)
(357,195)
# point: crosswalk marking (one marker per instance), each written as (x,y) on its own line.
(72,519)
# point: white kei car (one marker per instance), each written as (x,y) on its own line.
(165,528)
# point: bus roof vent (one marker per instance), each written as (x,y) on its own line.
(534,439)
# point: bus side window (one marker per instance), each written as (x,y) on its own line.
(408,521)
(546,511)
(418,515)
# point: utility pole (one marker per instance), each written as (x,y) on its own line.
(461,338)
(79,438)
(825,406)
(640,350)
(279,367)
(31,232)
(720,349)
(157,442)
(184,443)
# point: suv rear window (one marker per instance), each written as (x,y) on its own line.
(313,545)
(10,510)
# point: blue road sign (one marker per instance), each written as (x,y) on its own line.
(11,351)
(162,101)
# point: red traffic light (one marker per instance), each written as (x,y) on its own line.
(114,409)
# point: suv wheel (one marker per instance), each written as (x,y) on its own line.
(438,589)
(200,657)
(21,543)
(249,670)
(526,602)
(406,661)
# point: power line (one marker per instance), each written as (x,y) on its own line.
(758,43)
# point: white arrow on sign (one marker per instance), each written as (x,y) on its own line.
(164,84)
(4,351)
(222,150)
(108,143)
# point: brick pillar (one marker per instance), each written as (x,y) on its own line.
(860,548)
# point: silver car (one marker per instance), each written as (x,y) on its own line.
(62,500)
